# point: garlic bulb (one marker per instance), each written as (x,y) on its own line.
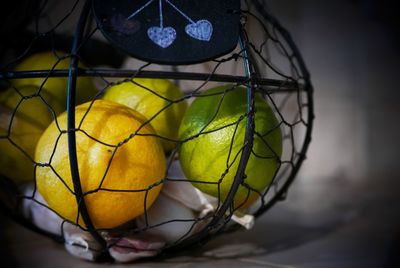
(168,219)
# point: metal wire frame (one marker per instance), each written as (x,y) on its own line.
(307,87)
(218,224)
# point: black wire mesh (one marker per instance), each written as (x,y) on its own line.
(266,62)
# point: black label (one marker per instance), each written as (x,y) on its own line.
(170,31)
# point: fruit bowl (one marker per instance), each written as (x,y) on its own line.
(133,147)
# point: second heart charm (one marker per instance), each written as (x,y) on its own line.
(201,30)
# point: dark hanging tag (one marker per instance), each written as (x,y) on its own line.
(170,31)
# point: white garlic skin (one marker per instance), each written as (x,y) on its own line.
(167,209)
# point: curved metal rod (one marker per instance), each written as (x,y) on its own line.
(310,116)
(73,160)
(218,220)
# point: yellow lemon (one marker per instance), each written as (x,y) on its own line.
(121,164)
(154,99)
(56,87)
(23,118)
(214,127)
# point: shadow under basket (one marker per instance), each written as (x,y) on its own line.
(263,63)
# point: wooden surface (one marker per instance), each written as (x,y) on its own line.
(358,226)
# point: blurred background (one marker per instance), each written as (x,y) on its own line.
(343,209)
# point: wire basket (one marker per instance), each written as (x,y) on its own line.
(265,63)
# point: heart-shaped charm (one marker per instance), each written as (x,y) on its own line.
(163,37)
(201,30)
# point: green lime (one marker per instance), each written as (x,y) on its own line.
(213,130)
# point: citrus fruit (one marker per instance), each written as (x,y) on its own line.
(23,118)
(116,166)
(210,160)
(152,98)
(57,87)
